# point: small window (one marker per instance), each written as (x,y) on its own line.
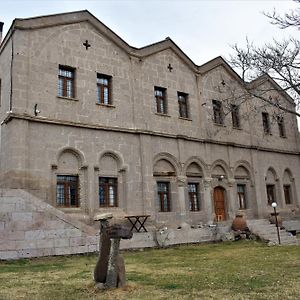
(266,123)
(67,191)
(235,114)
(281,127)
(218,112)
(160,99)
(193,189)
(66,82)
(241,194)
(183,105)
(287,194)
(104,89)
(271,193)
(108,190)
(163,194)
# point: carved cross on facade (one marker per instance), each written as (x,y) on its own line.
(170,67)
(86,45)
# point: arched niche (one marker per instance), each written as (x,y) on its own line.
(287,177)
(68,161)
(241,173)
(271,176)
(109,164)
(194,170)
(218,171)
(163,168)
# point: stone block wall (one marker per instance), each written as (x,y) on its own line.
(30,227)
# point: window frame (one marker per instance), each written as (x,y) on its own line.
(183,105)
(273,194)
(281,126)
(161,100)
(242,196)
(161,198)
(63,88)
(194,206)
(288,187)
(107,185)
(235,116)
(218,112)
(66,191)
(101,86)
(266,122)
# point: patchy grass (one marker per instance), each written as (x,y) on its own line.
(240,270)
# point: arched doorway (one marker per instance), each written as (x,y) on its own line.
(219,203)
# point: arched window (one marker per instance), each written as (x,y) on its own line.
(163,170)
(288,187)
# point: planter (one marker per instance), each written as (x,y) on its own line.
(239,223)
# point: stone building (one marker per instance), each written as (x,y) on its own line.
(91,124)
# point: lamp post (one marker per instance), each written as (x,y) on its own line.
(274,205)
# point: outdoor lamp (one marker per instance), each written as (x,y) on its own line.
(274,205)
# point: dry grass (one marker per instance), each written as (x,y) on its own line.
(240,270)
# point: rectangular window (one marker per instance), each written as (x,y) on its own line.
(241,194)
(266,123)
(235,114)
(193,189)
(104,89)
(160,99)
(183,105)
(271,193)
(108,192)
(281,127)
(163,194)
(218,112)
(67,191)
(287,194)
(66,82)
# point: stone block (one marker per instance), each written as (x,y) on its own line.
(2,225)
(47,252)
(63,242)
(73,232)
(7,245)
(62,251)
(35,235)
(6,255)
(79,249)
(49,243)
(14,235)
(77,241)
(24,216)
(26,244)
(8,207)
(28,253)
(92,248)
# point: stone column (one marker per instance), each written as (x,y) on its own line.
(208,200)
(181,198)
(231,199)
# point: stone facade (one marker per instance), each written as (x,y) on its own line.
(44,135)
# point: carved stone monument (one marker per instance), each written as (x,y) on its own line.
(110,268)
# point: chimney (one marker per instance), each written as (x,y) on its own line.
(1,29)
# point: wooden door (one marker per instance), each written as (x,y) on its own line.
(219,202)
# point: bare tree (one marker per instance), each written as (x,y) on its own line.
(279,61)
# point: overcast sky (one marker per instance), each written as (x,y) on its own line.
(202,29)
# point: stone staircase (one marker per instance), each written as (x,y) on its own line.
(268,232)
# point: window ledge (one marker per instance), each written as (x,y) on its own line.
(69,209)
(237,128)
(220,125)
(105,105)
(67,98)
(185,119)
(163,115)
(283,136)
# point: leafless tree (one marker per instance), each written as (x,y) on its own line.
(277,60)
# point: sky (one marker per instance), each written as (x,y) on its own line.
(202,29)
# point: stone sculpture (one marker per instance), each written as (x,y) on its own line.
(110,268)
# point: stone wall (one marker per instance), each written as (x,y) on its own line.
(30,227)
